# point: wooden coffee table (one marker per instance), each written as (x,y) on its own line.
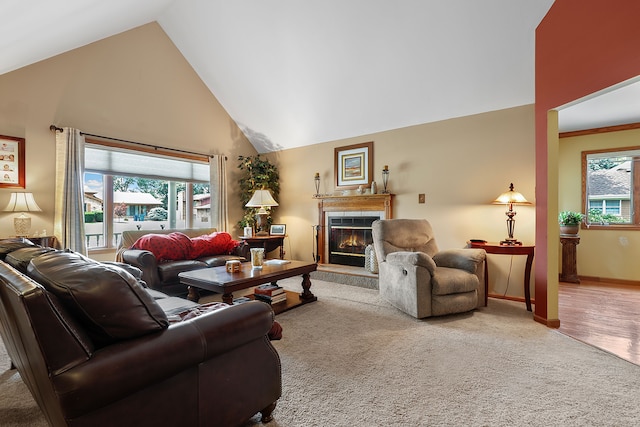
(218,279)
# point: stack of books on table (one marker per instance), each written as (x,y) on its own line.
(270,293)
(241,300)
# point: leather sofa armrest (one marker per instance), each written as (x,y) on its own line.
(146,262)
(419,259)
(131,269)
(242,250)
(128,366)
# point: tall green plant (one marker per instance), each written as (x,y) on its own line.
(258,173)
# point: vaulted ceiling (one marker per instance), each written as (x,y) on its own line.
(293,73)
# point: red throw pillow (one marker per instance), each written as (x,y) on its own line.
(216,243)
(166,247)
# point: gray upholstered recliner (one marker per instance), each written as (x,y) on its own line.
(417,278)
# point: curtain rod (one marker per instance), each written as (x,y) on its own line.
(54,128)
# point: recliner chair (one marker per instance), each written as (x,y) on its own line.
(417,278)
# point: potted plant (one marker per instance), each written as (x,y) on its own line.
(257,173)
(569,222)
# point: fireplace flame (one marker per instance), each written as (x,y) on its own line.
(351,242)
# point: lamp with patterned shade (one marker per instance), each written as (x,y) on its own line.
(22,202)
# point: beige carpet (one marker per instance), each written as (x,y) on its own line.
(351,360)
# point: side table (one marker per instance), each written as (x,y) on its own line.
(269,243)
(497,248)
(47,241)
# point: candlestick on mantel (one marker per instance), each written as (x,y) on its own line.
(385,179)
(317,182)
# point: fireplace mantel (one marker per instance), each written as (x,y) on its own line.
(382,203)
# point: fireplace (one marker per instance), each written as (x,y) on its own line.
(344,226)
(349,236)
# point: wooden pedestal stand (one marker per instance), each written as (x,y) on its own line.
(569,252)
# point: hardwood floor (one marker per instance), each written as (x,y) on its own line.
(603,315)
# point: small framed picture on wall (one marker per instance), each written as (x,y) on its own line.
(12,162)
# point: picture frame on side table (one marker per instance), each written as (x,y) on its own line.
(354,166)
(277,230)
(12,162)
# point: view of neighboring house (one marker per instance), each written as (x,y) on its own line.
(610,190)
(138,204)
(92,202)
(202,206)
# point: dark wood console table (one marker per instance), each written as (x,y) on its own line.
(47,241)
(269,243)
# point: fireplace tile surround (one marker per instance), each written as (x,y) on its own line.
(349,237)
(368,205)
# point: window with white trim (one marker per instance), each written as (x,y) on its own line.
(128,189)
(607,207)
(611,187)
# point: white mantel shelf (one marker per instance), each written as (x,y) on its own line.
(382,203)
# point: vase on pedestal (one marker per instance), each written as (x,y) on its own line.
(569,230)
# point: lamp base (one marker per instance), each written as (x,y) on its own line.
(261,224)
(510,242)
(22,225)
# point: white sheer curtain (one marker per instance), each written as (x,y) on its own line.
(69,205)
(218,179)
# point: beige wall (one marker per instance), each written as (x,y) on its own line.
(460,164)
(134,86)
(137,86)
(610,254)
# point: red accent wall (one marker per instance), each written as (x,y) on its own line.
(582,46)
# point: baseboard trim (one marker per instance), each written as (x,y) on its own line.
(550,323)
(511,298)
(606,281)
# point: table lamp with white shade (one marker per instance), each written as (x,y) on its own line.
(511,198)
(261,199)
(22,202)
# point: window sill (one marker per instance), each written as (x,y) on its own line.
(617,227)
(101,250)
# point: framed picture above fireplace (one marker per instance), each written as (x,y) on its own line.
(354,166)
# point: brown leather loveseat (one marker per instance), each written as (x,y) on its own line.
(163,276)
(96,349)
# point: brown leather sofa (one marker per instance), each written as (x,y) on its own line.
(163,276)
(96,349)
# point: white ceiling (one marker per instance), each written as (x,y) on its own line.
(294,73)
(617,105)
